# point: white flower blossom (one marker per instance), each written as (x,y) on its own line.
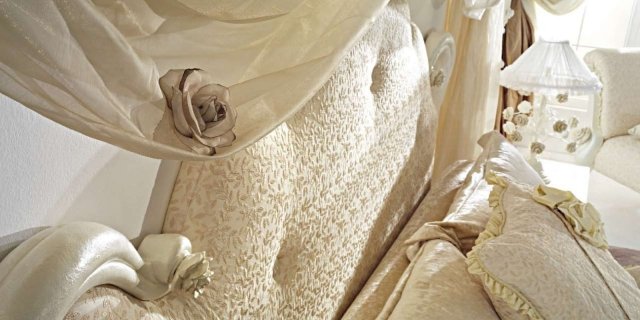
(524,106)
(520,120)
(508,113)
(509,127)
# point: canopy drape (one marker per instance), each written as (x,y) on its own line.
(95,66)
(469,104)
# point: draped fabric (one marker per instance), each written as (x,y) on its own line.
(469,104)
(474,9)
(517,38)
(94,66)
(558,7)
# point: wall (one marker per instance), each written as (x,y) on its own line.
(52,175)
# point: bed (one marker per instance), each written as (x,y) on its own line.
(331,215)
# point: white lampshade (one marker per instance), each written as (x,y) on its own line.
(550,68)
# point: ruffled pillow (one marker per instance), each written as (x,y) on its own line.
(532,260)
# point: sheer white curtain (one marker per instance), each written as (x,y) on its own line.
(95,66)
(469,105)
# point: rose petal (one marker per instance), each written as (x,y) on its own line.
(208,111)
(191,81)
(190,114)
(217,128)
(179,119)
(212,90)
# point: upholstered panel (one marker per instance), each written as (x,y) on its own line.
(297,222)
(619,101)
(619,158)
(382,282)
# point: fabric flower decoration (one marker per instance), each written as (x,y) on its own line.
(509,127)
(436,77)
(520,120)
(560,126)
(580,136)
(524,106)
(193,273)
(515,137)
(562,97)
(537,147)
(583,218)
(201,112)
(508,113)
(573,122)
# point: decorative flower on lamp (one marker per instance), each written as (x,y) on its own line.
(537,147)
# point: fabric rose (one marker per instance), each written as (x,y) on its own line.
(573,122)
(580,136)
(516,136)
(560,126)
(520,120)
(508,113)
(572,147)
(583,217)
(509,127)
(524,106)
(193,273)
(436,78)
(537,147)
(201,112)
(562,97)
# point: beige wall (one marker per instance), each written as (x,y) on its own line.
(52,175)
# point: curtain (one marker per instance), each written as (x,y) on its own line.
(468,108)
(517,38)
(95,66)
(558,7)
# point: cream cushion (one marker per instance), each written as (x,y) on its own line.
(380,285)
(503,158)
(619,100)
(635,131)
(439,287)
(297,222)
(530,260)
(470,205)
(618,159)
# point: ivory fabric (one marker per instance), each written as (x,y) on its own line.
(583,217)
(469,104)
(635,131)
(528,258)
(505,159)
(618,159)
(558,7)
(474,9)
(94,66)
(298,221)
(617,105)
(439,287)
(435,284)
(380,285)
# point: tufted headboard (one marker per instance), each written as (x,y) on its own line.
(296,223)
(618,106)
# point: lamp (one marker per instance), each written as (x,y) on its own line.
(549,69)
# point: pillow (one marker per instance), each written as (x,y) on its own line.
(533,260)
(470,205)
(503,158)
(634,271)
(635,131)
(438,287)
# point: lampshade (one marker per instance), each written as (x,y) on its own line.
(550,67)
